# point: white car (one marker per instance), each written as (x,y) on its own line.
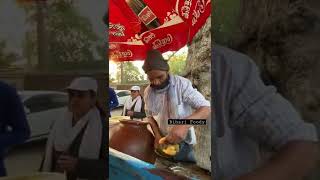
(42,109)
(122,95)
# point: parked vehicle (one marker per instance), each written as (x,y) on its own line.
(42,109)
(122,95)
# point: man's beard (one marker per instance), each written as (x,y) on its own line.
(162,85)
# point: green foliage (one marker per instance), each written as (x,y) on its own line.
(71,36)
(71,39)
(112,80)
(101,50)
(131,73)
(224,15)
(177,64)
(29,48)
(6,58)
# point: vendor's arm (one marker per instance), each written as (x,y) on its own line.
(155,127)
(270,120)
(202,111)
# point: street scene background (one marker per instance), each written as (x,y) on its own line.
(44,45)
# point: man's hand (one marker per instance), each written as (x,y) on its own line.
(156,131)
(67,163)
(156,143)
(177,134)
(130,113)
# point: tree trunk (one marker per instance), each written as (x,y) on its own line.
(282,37)
(42,36)
(198,70)
(121,73)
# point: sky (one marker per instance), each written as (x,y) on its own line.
(13,26)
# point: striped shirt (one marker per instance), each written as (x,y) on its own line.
(251,118)
(187,98)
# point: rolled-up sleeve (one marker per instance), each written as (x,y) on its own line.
(263,114)
(192,96)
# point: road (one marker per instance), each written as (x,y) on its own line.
(116,112)
(26,159)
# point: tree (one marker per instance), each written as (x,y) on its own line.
(6,58)
(282,37)
(39,16)
(29,52)
(112,80)
(198,70)
(70,36)
(225,16)
(131,73)
(177,64)
(102,52)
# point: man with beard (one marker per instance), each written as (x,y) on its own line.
(172,97)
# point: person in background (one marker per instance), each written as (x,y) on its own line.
(134,105)
(77,144)
(172,97)
(14,128)
(113,101)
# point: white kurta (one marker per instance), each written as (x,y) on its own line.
(177,101)
(129,103)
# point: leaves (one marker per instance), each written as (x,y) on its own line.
(177,63)
(70,36)
(6,58)
(131,73)
(224,14)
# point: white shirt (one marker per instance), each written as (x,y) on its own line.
(188,98)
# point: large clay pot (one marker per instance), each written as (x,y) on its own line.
(133,138)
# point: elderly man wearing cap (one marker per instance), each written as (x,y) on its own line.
(172,97)
(134,105)
(77,143)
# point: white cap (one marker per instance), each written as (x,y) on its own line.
(84,84)
(135,88)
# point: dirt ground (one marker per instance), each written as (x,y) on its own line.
(25,159)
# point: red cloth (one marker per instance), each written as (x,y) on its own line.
(130,40)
